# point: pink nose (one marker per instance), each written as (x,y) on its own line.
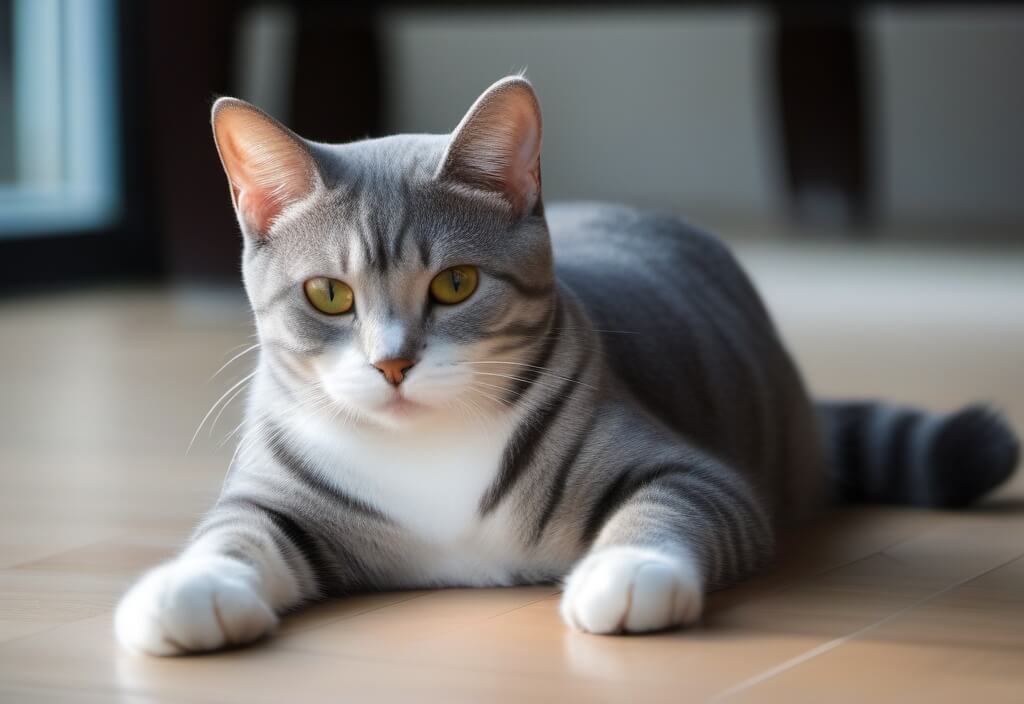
(394,369)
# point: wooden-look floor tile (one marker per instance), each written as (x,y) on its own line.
(866,604)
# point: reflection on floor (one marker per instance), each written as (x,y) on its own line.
(101,393)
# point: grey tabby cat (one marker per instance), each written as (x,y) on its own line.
(458,386)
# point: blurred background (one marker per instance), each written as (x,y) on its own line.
(859,121)
(865,161)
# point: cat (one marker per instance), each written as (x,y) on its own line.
(460,387)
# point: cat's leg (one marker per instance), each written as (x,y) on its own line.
(246,563)
(661,537)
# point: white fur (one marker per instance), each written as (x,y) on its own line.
(391,340)
(633,590)
(430,478)
(197,602)
(426,468)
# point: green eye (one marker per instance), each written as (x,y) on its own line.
(329,296)
(454,285)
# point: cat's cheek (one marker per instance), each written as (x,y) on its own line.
(435,393)
(351,383)
(632,590)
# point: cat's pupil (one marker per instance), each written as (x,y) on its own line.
(330,290)
(456,280)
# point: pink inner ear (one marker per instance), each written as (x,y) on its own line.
(258,209)
(497,145)
(267,167)
(522,177)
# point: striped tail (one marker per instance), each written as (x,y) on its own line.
(893,454)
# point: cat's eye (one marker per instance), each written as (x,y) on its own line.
(329,296)
(454,285)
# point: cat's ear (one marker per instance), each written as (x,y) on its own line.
(268,166)
(496,147)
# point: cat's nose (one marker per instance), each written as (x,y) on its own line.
(394,369)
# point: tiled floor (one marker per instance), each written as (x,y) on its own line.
(100,393)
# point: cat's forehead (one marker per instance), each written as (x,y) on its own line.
(383,210)
(394,161)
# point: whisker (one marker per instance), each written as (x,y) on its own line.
(610,332)
(313,402)
(528,418)
(227,363)
(496,399)
(498,387)
(213,423)
(475,413)
(238,383)
(541,383)
(539,371)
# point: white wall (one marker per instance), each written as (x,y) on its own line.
(674,108)
(661,108)
(950,113)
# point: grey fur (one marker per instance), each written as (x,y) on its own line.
(659,406)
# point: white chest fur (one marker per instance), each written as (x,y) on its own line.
(430,480)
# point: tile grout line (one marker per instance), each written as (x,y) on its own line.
(522,606)
(441,631)
(797,580)
(836,642)
(346,617)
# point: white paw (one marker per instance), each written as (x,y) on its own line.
(632,590)
(191,605)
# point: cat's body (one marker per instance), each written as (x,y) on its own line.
(694,346)
(609,402)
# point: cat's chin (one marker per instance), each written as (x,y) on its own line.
(399,411)
(402,407)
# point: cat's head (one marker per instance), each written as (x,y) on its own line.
(400,278)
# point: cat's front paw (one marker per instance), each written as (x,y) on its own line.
(632,590)
(193,604)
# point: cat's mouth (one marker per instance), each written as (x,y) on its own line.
(401,405)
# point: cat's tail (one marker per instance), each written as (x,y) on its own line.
(894,454)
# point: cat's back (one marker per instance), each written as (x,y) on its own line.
(682,326)
(646,269)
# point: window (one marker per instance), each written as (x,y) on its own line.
(59,145)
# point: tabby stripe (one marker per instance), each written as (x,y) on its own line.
(217,522)
(848,451)
(625,486)
(561,476)
(404,225)
(275,370)
(301,471)
(311,328)
(731,357)
(381,260)
(747,538)
(521,287)
(423,246)
(712,550)
(894,472)
(378,230)
(716,505)
(299,538)
(363,231)
(537,365)
(921,443)
(737,498)
(722,562)
(523,446)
